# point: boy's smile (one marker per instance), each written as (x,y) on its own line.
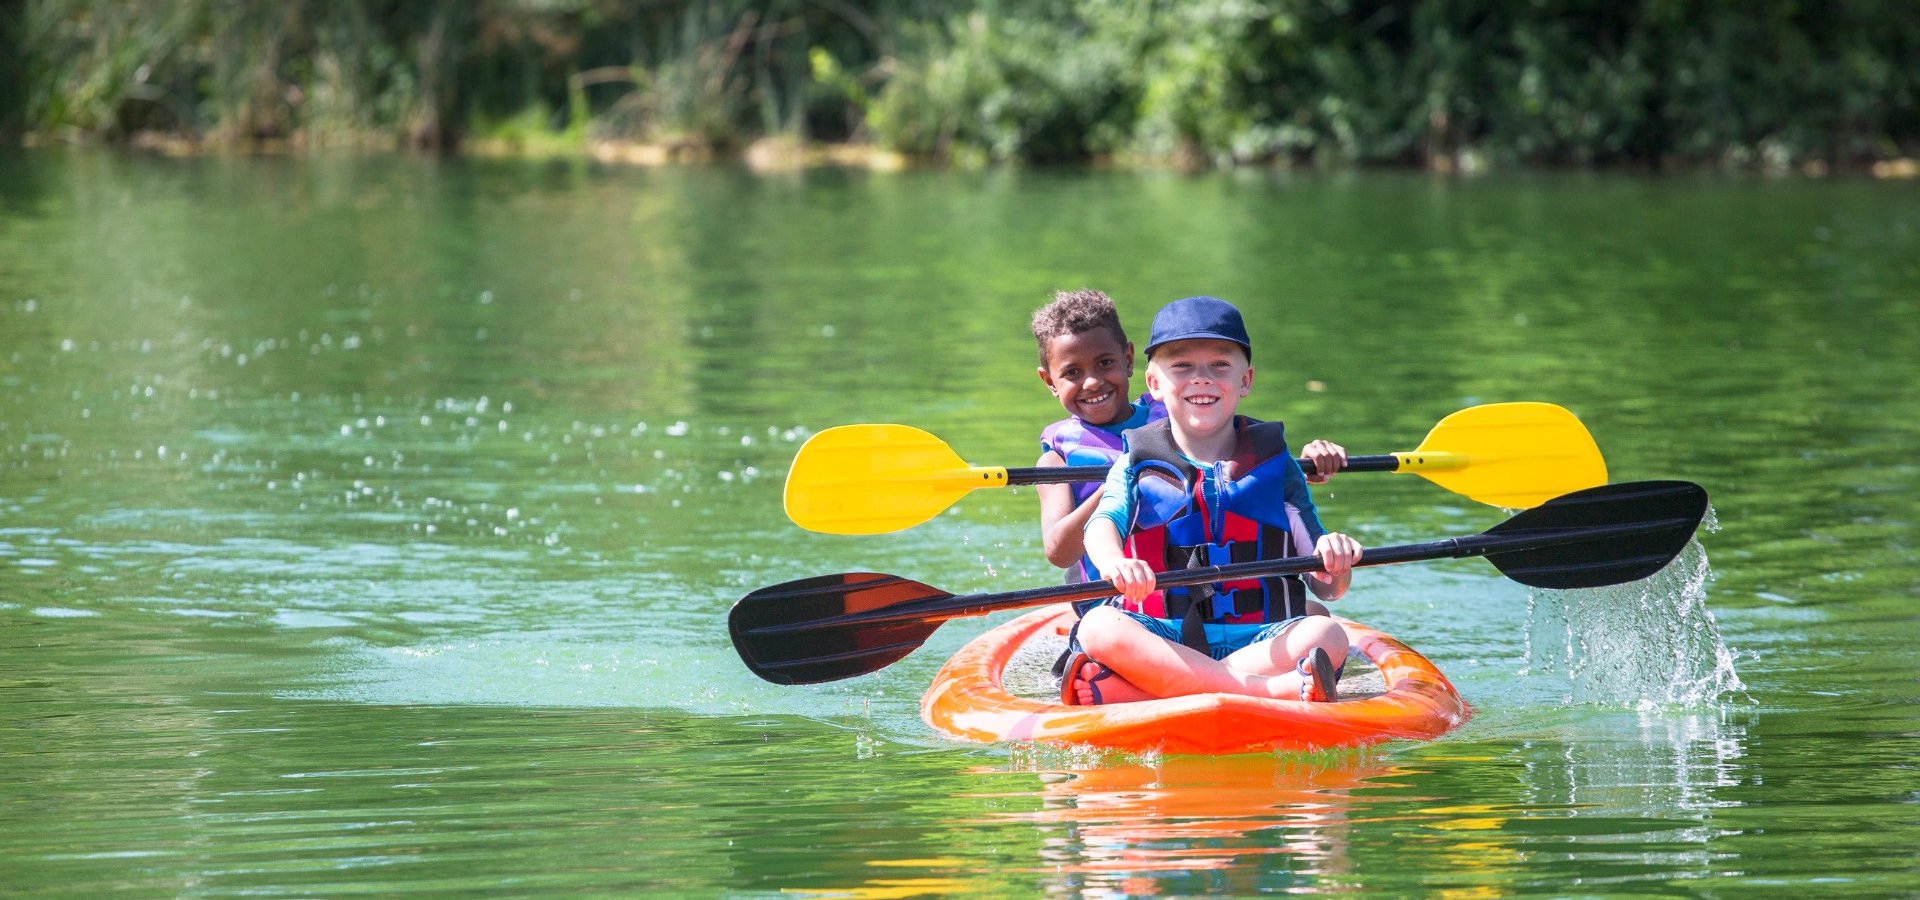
(1200,381)
(1088,373)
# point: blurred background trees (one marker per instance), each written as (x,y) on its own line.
(1442,83)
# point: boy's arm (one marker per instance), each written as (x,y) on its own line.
(1130,577)
(1105,547)
(1337,553)
(1062,522)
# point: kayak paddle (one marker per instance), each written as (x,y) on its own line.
(839,626)
(873,479)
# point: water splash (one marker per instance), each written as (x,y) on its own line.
(1646,643)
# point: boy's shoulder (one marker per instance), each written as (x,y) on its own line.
(1152,407)
(1145,410)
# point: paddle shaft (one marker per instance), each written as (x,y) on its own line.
(954,607)
(1058,474)
(839,626)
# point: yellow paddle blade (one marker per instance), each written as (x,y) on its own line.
(1511,455)
(873,479)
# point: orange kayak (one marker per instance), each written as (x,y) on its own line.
(969,701)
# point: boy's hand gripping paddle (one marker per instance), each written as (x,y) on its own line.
(839,626)
(874,479)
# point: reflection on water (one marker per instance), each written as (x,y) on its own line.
(1437,820)
(1109,827)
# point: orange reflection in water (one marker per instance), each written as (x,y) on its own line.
(891,888)
(1124,820)
(1123,825)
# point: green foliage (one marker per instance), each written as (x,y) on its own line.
(14,70)
(1772,83)
(1030,87)
(530,131)
(107,68)
(1209,77)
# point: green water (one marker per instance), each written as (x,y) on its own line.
(369,525)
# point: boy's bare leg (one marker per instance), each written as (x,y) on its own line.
(1280,655)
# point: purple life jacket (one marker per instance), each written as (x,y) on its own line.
(1081,444)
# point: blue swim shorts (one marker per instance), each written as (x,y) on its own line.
(1223,639)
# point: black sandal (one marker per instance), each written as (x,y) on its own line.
(1317,677)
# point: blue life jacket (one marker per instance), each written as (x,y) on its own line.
(1187,517)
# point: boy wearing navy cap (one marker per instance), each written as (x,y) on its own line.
(1207,487)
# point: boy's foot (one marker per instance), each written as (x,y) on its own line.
(1088,683)
(1080,682)
(1317,677)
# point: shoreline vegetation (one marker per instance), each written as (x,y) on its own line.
(1448,86)
(783,154)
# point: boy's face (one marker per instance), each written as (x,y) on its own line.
(1088,373)
(1200,381)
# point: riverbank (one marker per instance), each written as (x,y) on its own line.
(785,154)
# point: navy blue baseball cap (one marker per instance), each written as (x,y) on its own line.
(1198,318)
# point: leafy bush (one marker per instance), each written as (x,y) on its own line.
(1774,83)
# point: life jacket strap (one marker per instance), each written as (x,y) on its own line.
(1195,599)
(1215,605)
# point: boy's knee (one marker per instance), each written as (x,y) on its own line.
(1097,620)
(1337,642)
(1325,633)
(1099,626)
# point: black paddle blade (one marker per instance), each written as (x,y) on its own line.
(823,651)
(1610,534)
